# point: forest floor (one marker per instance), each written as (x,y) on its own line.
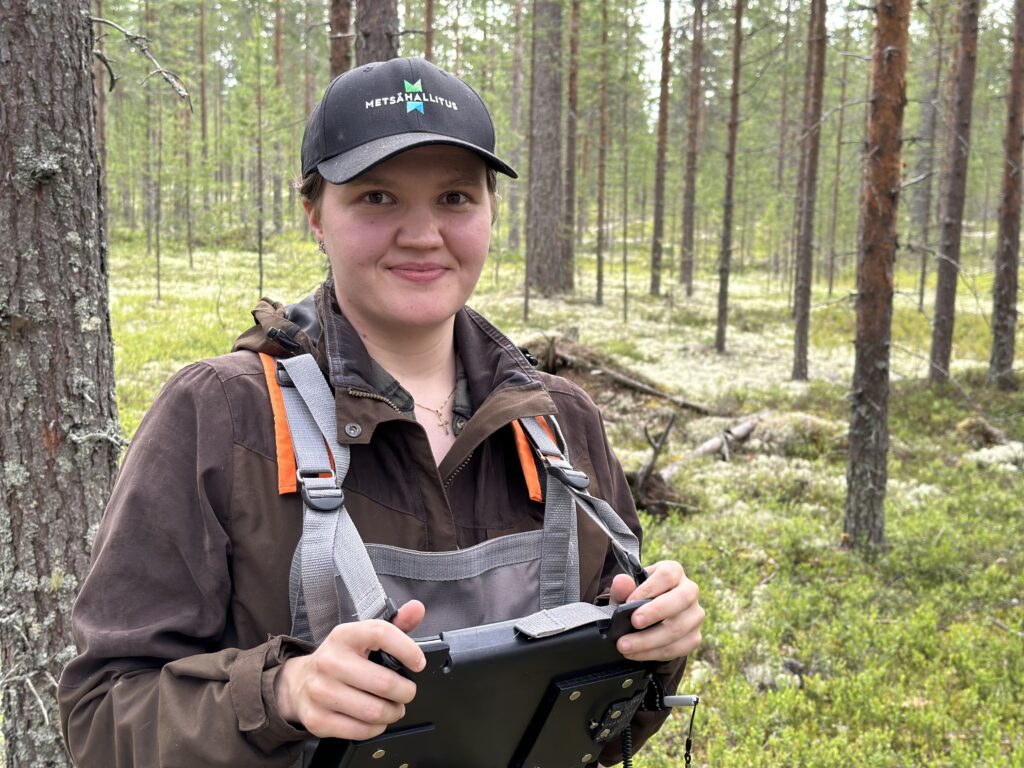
(812,655)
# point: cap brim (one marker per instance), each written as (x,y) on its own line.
(346,166)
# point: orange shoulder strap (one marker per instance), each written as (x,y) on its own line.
(286,481)
(525,450)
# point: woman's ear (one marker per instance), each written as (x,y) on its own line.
(313,215)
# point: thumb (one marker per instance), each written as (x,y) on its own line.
(622,588)
(409,616)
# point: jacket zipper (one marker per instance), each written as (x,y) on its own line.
(451,475)
(373,396)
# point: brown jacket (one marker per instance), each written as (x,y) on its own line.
(182,622)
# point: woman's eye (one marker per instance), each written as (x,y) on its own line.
(378,198)
(454,198)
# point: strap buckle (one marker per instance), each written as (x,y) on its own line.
(567,473)
(320,493)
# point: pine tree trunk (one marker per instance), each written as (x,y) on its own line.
(625,174)
(602,153)
(341,36)
(725,255)
(569,209)
(957,154)
(544,250)
(837,176)
(780,164)
(202,105)
(515,123)
(428,30)
(924,165)
(692,132)
(60,435)
(866,474)
(1007,262)
(816,41)
(659,161)
(276,182)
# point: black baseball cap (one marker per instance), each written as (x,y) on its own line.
(378,110)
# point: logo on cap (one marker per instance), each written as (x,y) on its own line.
(413,97)
(416,87)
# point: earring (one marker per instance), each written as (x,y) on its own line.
(323,248)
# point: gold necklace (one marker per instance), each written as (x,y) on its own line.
(442,422)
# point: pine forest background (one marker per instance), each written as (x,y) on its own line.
(864,604)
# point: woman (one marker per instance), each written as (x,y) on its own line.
(185,656)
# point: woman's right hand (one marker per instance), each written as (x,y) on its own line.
(336,691)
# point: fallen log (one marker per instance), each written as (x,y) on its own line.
(723,442)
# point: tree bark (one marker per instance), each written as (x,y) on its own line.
(692,133)
(544,250)
(569,210)
(341,36)
(811,145)
(780,164)
(376,30)
(659,161)
(602,153)
(958,144)
(725,255)
(61,437)
(1007,261)
(866,474)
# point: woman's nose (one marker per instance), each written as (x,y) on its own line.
(420,228)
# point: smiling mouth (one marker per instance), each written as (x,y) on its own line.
(419,273)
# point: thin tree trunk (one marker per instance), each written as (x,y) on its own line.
(625,169)
(957,154)
(692,131)
(544,219)
(158,189)
(1007,262)
(60,436)
(780,165)
(341,36)
(203,133)
(921,197)
(816,41)
(602,152)
(837,176)
(428,30)
(276,182)
(866,474)
(569,204)
(259,182)
(659,161)
(725,254)
(515,123)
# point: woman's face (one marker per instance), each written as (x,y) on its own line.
(407,239)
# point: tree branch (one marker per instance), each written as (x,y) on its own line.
(141,44)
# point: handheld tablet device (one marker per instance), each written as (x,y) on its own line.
(510,694)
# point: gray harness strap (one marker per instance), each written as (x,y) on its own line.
(331,546)
(330,543)
(575,484)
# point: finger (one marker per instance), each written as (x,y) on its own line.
(677,636)
(355,702)
(622,587)
(377,680)
(668,604)
(326,723)
(409,616)
(661,577)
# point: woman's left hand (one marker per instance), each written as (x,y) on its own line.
(673,604)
